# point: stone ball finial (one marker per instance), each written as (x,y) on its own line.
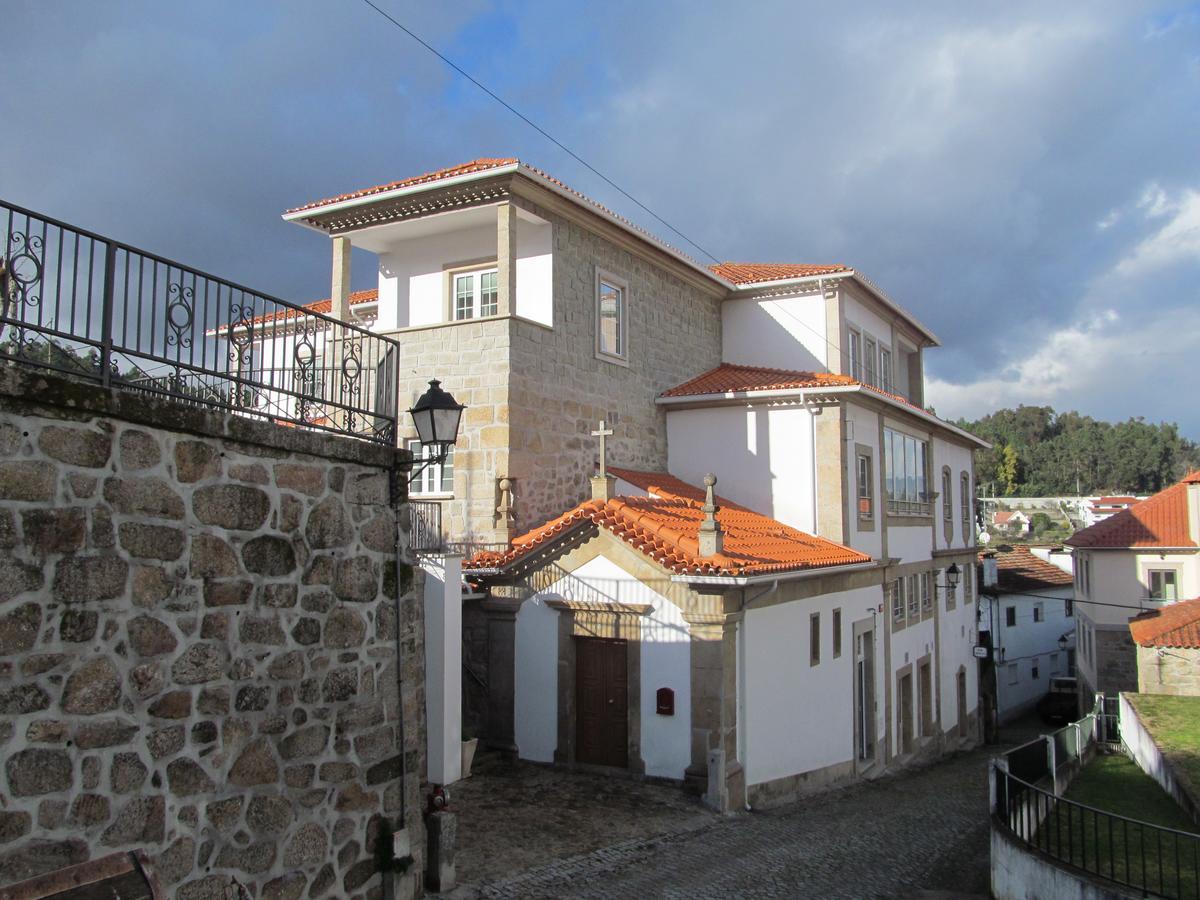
(710,480)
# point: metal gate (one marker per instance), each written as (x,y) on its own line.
(1109,709)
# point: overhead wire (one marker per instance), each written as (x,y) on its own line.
(538,128)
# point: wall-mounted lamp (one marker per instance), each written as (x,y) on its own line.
(436,416)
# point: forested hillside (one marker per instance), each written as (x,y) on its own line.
(1038,452)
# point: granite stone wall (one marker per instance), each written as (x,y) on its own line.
(207,648)
(1172,670)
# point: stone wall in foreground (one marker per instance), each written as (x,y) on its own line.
(199,624)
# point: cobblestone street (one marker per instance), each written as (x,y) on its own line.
(923,833)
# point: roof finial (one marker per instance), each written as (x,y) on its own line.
(711,538)
(603,485)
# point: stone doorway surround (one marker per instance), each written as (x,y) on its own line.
(612,621)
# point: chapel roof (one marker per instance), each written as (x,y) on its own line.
(1019,569)
(1159,521)
(1175,625)
(665,527)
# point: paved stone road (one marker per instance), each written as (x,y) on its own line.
(923,833)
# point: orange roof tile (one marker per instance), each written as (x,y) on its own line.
(663,485)
(317,306)
(665,528)
(730,378)
(1175,625)
(1019,569)
(467,168)
(1160,521)
(753,273)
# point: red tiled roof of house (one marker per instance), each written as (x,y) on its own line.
(1175,625)
(1002,516)
(467,168)
(729,378)
(1159,521)
(1020,569)
(665,528)
(753,273)
(1111,501)
(317,306)
(662,484)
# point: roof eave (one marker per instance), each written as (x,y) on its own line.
(782,575)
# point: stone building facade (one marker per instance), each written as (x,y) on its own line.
(209,648)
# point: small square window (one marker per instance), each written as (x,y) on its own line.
(1037,612)
(1162,584)
(1010,616)
(814,638)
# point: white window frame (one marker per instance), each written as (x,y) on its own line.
(870,360)
(865,487)
(885,370)
(1163,571)
(854,348)
(437,480)
(621,357)
(914,502)
(476,273)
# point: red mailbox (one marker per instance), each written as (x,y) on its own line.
(664,700)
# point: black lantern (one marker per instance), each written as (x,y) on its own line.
(436,416)
(1062,642)
(952,574)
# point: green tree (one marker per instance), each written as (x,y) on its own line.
(1007,471)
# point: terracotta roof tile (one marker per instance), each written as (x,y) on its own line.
(1020,569)
(1175,625)
(665,528)
(663,485)
(730,378)
(1159,521)
(753,273)
(467,168)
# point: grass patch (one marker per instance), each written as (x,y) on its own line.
(1124,852)
(1174,723)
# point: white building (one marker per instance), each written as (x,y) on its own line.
(1029,611)
(1138,559)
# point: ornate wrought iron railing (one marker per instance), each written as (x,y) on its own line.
(77,302)
(425,526)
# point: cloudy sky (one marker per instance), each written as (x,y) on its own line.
(1025,177)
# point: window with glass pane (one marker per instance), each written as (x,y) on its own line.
(464,297)
(865,507)
(897,600)
(489,293)
(910,591)
(435,479)
(870,354)
(885,369)
(855,355)
(947,505)
(1162,584)
(965,492)
(926,593)
(611,319)
(906,480)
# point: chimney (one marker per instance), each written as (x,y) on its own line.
(711,537)
(604,487)
(1193,504)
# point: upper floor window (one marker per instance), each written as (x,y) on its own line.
(896,594)
(885,370)
(905,481)
(814,639)
(475,294)
(866,506)
(435,479)
(910,592)
(965,492)
(926,592)
(612,326)
(1162,584)
(856,355)
(947,500)
(870,358)
(1038,612)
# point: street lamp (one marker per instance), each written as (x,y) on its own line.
(436,416)
(952,574)
(1062,642)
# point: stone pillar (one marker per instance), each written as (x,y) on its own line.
(501,609)
(506,258)
(441,873)
(443,667)
(506,518)
(713,633)
(339,308)
(604,487)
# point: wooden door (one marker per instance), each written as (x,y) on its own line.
(962,704)
(906,714)
(601,702)
(926,700)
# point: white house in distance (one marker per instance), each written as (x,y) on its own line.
(1140,558)
(797,629)
(1031,627)
(1011,521)
(1101,508)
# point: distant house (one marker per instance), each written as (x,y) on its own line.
(1011,521)
(1168,649)
(1138,559)
(1027,616)
(1103,507)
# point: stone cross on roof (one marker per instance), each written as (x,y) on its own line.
(602,434)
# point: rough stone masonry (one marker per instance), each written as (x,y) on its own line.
(200,617)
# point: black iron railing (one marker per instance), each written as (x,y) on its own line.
(1129,852)
(80,303)
(425,526)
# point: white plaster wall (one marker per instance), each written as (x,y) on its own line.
(1120,577)
(782,692)
(665,662)
(443,667)
(908,646)
(859,317)
(413,272)
(910,543)
(863,425)
(762,457)
(1028,641)
(780,332)
(959,459)
(535,272)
